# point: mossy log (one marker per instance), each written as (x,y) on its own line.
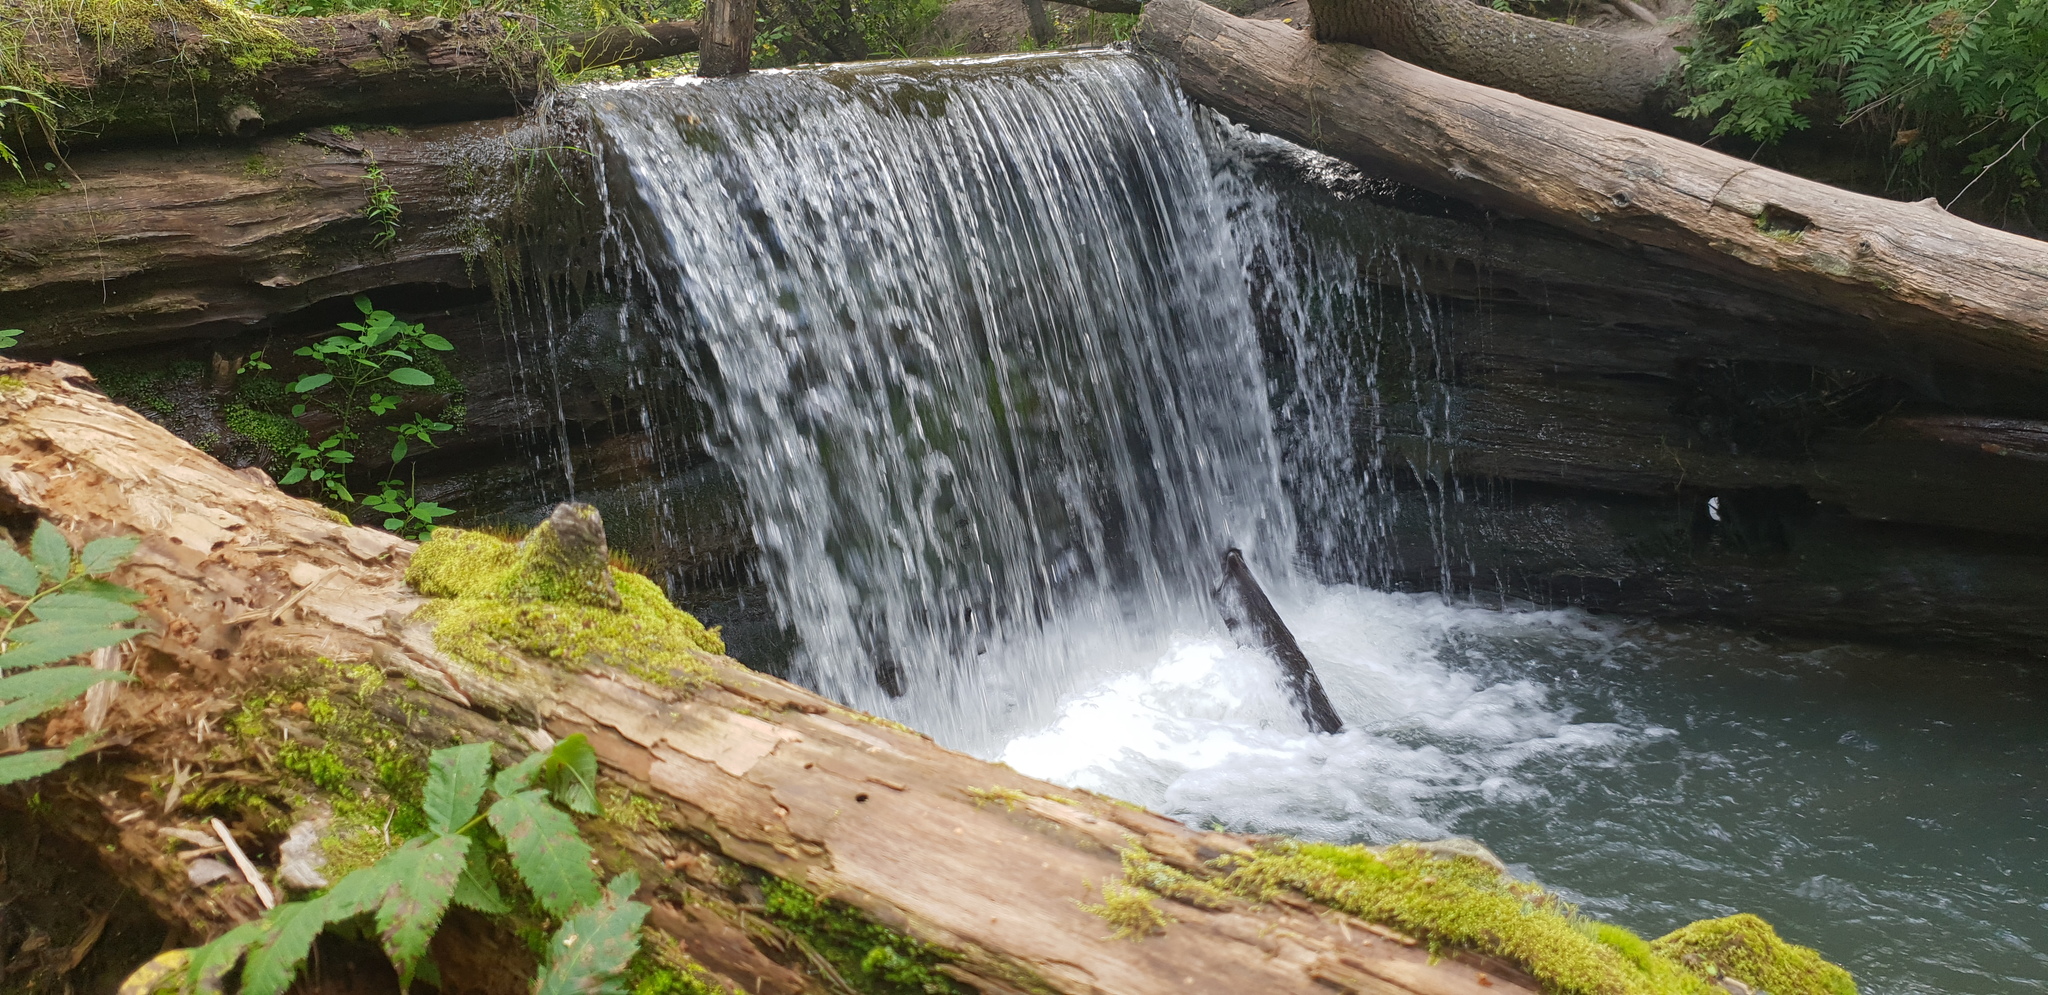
(125,248)
(191,70)
(742,778)
(1918,277)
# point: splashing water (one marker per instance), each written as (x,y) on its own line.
(1004,353)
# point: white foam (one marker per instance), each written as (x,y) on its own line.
(1203,730)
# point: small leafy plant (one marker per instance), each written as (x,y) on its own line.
(382,208)
(10,337)
(354,371)
(403,897)
(74,611)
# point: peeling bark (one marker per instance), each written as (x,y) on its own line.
(243,581)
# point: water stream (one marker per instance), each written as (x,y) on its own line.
(1005,353)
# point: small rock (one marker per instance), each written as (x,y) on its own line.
(299,859)
(1458,846)
(207,871)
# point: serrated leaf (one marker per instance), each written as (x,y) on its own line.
(411,377)
(275,958)
(17,573)
(212,962)
(34,763)
(412,910)
(103,555)
(38,691)
(514,779)
(589,953)
(476,888)
(107,589)
(456,779)
(549,856)
(570,774)
(79,608)
(61,646)
(51,551)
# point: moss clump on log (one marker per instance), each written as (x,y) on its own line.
(553,596)
(858,952)
(1462,901)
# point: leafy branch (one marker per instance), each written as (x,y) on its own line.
(57,605)
(406,894)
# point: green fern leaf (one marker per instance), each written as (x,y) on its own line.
(413,909)
(101,556)
(17,574)
(514,779)
(476,888)
(52,645)
(31,694)
(34,763)
(571,774)
(549,856)
(70,608)
(106,589)
(456,779)
(363,891)
(212,962)
(274,960)
(51,551)
(590,951)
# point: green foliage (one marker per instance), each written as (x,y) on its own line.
(872,957)
(1962,83)
(486,601)
(1746,947)
(57,605)
(348,383)
(10,337)
(403,896)
(382,210)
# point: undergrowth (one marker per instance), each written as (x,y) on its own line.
(863,954)
(55,604)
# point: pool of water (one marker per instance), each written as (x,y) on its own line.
(1889,808)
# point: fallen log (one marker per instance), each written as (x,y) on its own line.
(298,667)
(1248,613)
(1934,284)
(198,69)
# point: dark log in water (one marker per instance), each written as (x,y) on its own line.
(1248,612)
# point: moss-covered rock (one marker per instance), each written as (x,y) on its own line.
(554,596)
(1746,948)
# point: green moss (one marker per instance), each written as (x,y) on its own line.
(662,968)
(630,810)
(258,165)
(1461,901)
(492,597)
(871,957)
(1009,797)
(1144,870)
(316,764)
(1748,949)
(12,385)
(1130,911)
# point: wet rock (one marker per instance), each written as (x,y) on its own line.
(207,871)
(299,858)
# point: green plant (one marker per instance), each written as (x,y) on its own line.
(10,337)
(75,610)
(404,895)
(382,209)
(1961,84)
(353,371)
(872,957)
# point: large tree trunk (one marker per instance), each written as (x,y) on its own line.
(1922,278)
(728,38)
(242,76)
(750,774)
(1613,74)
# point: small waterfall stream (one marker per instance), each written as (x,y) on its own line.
(1004,353)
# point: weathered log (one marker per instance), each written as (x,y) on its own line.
(1248,613)
(1920,276)
(1611,73)
(728,38)
(623,44)
(244,584)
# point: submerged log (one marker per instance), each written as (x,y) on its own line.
(1250,614)
(1918,276)
(742,778)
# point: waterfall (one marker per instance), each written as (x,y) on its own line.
(982,341)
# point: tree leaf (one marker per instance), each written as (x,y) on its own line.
(313,382)
(292,476)
(571,774)
(398,451)
(78,608)
(412,910)
(363,304)
(436,343)
(103,555)
(363,891)
(549,856)
(17,573)
(31,694)
(62,647)
(34,763)
(51,551)
(274,960)
(456,779)
(514,779)
(412,377)
(106,589)
(590,951)
(212,962)
(476,888)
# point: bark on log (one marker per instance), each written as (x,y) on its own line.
(1925,280)
(624,44)
(160,244)
(1610,73)
(243,582)
(728,38)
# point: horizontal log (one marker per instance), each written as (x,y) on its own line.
(1921,278)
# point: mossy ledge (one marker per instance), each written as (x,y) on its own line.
(1453,900)
(553,596)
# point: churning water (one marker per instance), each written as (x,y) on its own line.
(1005,353)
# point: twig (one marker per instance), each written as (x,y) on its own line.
(227,839)
(285,605)
(1980,173)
